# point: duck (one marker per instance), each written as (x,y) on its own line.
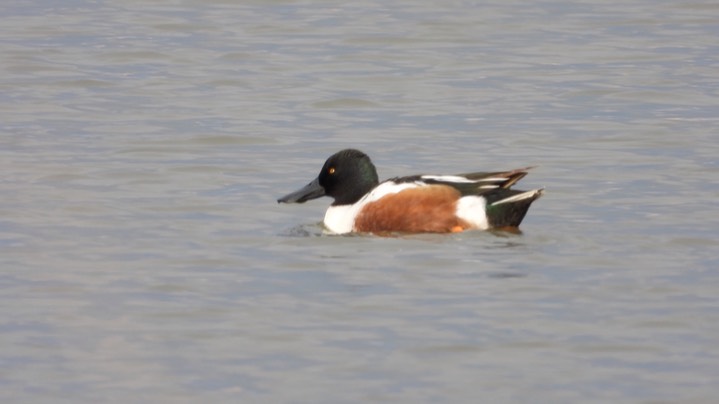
(415,203)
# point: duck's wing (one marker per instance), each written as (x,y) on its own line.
(469,183)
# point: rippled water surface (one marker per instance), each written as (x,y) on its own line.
(143,256)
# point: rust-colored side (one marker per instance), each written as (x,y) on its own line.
(427,209)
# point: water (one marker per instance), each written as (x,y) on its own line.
(144,258)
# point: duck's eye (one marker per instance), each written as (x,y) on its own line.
(331,170)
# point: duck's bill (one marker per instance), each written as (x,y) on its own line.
(313,190)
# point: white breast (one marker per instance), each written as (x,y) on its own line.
(340,219)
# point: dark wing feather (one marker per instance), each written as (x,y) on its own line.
(503,179)
(482,182)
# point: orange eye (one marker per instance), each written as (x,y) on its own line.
(331,170)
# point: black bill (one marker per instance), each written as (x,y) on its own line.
(313,190)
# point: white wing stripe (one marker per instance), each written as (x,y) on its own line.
(518,197)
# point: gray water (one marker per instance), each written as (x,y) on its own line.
(143,257)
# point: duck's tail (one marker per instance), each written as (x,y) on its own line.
(507,207)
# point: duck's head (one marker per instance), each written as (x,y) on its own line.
(346,176)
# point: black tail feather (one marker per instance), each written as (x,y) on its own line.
(507,207)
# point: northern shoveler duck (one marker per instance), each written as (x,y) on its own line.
(414,204)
